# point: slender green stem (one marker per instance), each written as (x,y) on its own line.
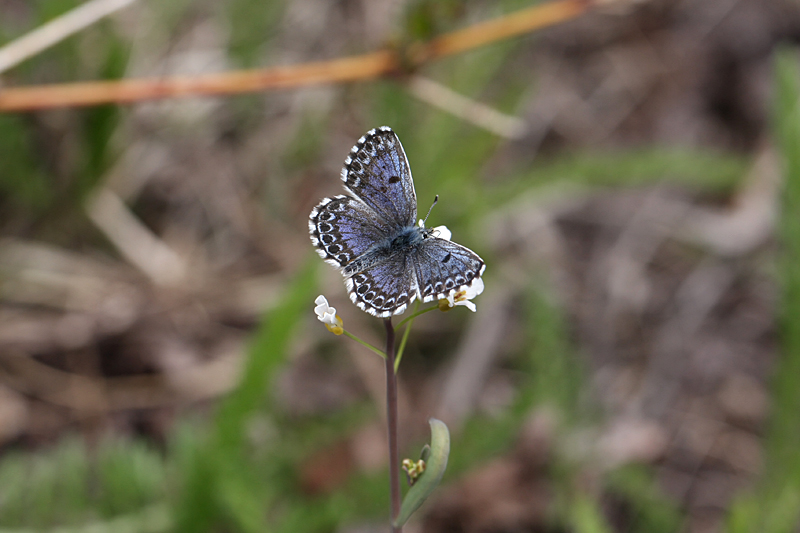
(391,421)
(416,314)
(365,344)
(408,321)
(402,347)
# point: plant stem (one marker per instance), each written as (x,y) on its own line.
(391,421)
(365,344)
(402,347)
(416,314)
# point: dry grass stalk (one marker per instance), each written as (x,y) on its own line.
(57,30)
(363,67)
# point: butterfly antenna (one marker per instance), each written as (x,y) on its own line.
(435,200)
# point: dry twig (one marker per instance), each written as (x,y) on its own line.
(363,67)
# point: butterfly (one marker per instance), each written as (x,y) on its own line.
(371,234)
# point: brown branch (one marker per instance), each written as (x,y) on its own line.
(126,91)
(355,68)
(511,25)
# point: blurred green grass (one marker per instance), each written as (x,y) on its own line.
(774,506)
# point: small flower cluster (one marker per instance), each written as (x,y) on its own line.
(327,315)
(413,470)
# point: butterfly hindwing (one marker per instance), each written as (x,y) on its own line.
(343,228)
(377,172)
(442,266)
(385,288)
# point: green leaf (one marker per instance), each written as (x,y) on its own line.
(434,470)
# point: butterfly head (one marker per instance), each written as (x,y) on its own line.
(440,232)
(425,232)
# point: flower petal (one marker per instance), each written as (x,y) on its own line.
(325,313)
(475,289)
(442,232)
(469,305)
(329,317)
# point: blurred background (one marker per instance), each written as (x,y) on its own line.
(631,177)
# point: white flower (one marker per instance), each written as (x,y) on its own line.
(327,315)
(442,232)
(462,297)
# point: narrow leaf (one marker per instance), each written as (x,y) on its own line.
(436,463)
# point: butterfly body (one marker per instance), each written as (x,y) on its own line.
(370,234)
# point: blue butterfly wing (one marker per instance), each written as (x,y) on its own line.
(441,266)
(343,228)
(377,172)
(385,288)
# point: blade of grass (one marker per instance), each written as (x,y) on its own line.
(783,460)
(267,352)
(775,509)
(218,486)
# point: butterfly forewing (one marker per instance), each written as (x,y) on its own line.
(342,228)
(377,172)
(442,266)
